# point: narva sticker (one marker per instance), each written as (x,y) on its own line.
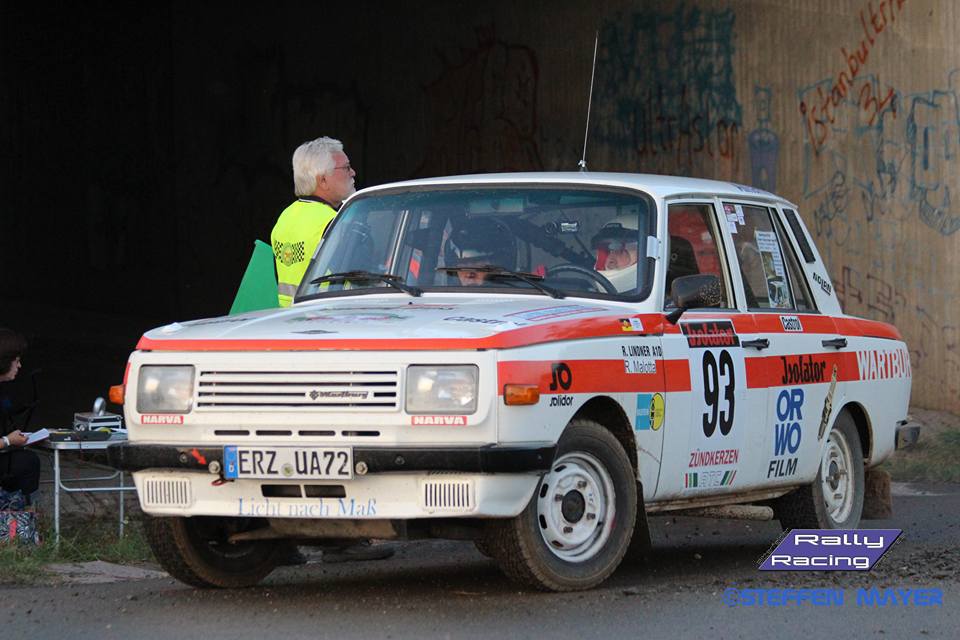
(160,418)
(439,421)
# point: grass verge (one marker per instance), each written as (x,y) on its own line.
(935,458)
(80,541)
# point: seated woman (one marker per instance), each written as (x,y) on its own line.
(19,468)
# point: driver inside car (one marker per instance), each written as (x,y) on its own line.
(479,243)
(616,247)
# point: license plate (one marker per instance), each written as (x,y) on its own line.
(288,463)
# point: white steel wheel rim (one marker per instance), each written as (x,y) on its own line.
(576,507)
(836,477)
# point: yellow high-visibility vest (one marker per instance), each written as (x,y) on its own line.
(294,239)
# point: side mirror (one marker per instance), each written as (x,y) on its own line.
(694,292)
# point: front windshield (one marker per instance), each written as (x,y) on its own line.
(573,241)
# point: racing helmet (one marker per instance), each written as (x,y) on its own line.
(481,242)
(615,235)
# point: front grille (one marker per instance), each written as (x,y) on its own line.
(163,492)
(297,390)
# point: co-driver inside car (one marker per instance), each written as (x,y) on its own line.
(616,247)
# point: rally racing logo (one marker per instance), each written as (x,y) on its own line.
(830,550)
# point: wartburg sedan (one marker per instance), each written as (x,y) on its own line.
(535,362)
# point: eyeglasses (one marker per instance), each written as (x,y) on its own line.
(346,167)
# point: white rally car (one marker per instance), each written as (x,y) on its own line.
(532,361)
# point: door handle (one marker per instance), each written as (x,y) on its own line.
(759,343)
(836,343)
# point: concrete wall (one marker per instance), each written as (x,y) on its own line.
(849,108)
(147,146)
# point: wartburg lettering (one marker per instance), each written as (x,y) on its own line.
(315,394)
(884,364)
(439,421)
(703,335)
(802,370)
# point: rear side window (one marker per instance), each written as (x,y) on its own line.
(763,267)
(798,282)
(694,247)
(800,236)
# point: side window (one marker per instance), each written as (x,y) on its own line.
(799,235)
(693,247)
(762,265)
(798,282)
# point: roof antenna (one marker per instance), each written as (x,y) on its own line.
(583,161)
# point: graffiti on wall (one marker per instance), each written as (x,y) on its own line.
(665,93)
(930,340)
(875,169)
(764,143)
(900,168)
(819,104)
(482,110)
(933,136)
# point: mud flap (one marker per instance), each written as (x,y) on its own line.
(640,545)
(877,502)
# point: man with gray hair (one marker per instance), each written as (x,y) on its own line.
(322,180)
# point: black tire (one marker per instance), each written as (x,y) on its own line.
(519,545)
(195,551)
(809,507)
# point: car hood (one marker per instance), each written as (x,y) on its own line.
(391,320)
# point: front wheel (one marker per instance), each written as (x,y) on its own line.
(196,551)
(577,527)
(835,499)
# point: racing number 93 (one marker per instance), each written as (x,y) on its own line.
(716,372)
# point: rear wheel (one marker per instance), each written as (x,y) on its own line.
(835,499)
(577,527)
(195,551)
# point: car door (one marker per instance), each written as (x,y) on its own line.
(790,357)
(715,412)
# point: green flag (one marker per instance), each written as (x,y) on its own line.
(258,289)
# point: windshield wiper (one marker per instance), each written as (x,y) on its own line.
(493,271)
(369,276)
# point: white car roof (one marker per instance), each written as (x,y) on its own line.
(658,186)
